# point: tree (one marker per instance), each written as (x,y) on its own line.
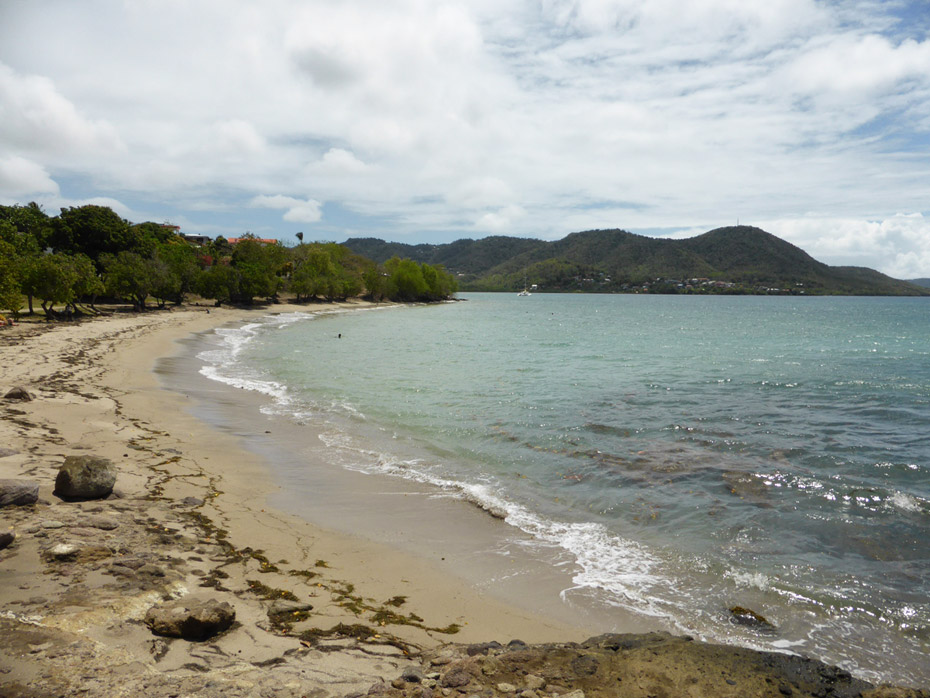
(258,265)
(219,282)
(375,281)
(129,276)
(181,260)
(52,279)
(10,296)
(92,230)
(87,284)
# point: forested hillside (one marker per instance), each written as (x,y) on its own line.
(738,259)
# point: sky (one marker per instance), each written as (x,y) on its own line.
(430,121)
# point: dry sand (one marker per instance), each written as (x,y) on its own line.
(189,515)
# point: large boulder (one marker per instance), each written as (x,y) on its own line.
(18,492)
(7,537)
(192,618)
(85,477)
(18,394)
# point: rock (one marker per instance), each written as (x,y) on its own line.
(85,477)
(18,492)
(63,551)
(533,682)
(191,618)
(751,619)
(104,523)
(456,678)
(4,452)
(574,694)
(506,688)
(19,394)
(482,648)
(413,674)
(52,524)
(585,665)
(6,538)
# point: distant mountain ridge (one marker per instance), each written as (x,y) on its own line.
(736,259)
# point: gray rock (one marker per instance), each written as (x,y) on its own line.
(284,606)
(413,674)
(191,618)
(104,523)
(4,452)
(19,394)
(85,477)
(18,492)
(456,679)
(7,538)
(52,524)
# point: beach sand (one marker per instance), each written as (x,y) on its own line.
(318,611)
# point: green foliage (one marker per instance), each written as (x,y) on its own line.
(56,278)
(259,266)
(10,296)
(26,228)
(220,282)
(130,276)
(92,230)
(180,262)
(409,281)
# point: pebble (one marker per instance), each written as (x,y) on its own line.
(63,551)
(104,523)
(533,682)
(51,523)
(506,688)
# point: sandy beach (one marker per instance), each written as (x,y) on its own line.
(317,611)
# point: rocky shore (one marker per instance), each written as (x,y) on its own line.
(137,558)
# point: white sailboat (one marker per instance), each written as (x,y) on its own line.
(524,292)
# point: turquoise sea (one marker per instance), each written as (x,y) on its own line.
(682,454)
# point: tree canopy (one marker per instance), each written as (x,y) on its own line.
(90,251)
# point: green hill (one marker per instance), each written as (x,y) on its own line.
(737,259)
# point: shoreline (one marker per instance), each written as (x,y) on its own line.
(452,535)
(190,516)
(197,520)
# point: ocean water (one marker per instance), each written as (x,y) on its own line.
(682,454)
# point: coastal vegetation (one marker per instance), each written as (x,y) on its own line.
(732,260)
(67,263)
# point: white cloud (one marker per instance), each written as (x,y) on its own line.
(20,177)
(502,221)
(338,161)
(237,137)
(859,65)
(35,117)
(514,116)
(898,246)
(296,210)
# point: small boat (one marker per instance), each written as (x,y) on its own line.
(524,292)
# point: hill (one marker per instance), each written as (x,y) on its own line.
(736,259)
(920,282)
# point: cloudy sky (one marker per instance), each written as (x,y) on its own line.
(428,121)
